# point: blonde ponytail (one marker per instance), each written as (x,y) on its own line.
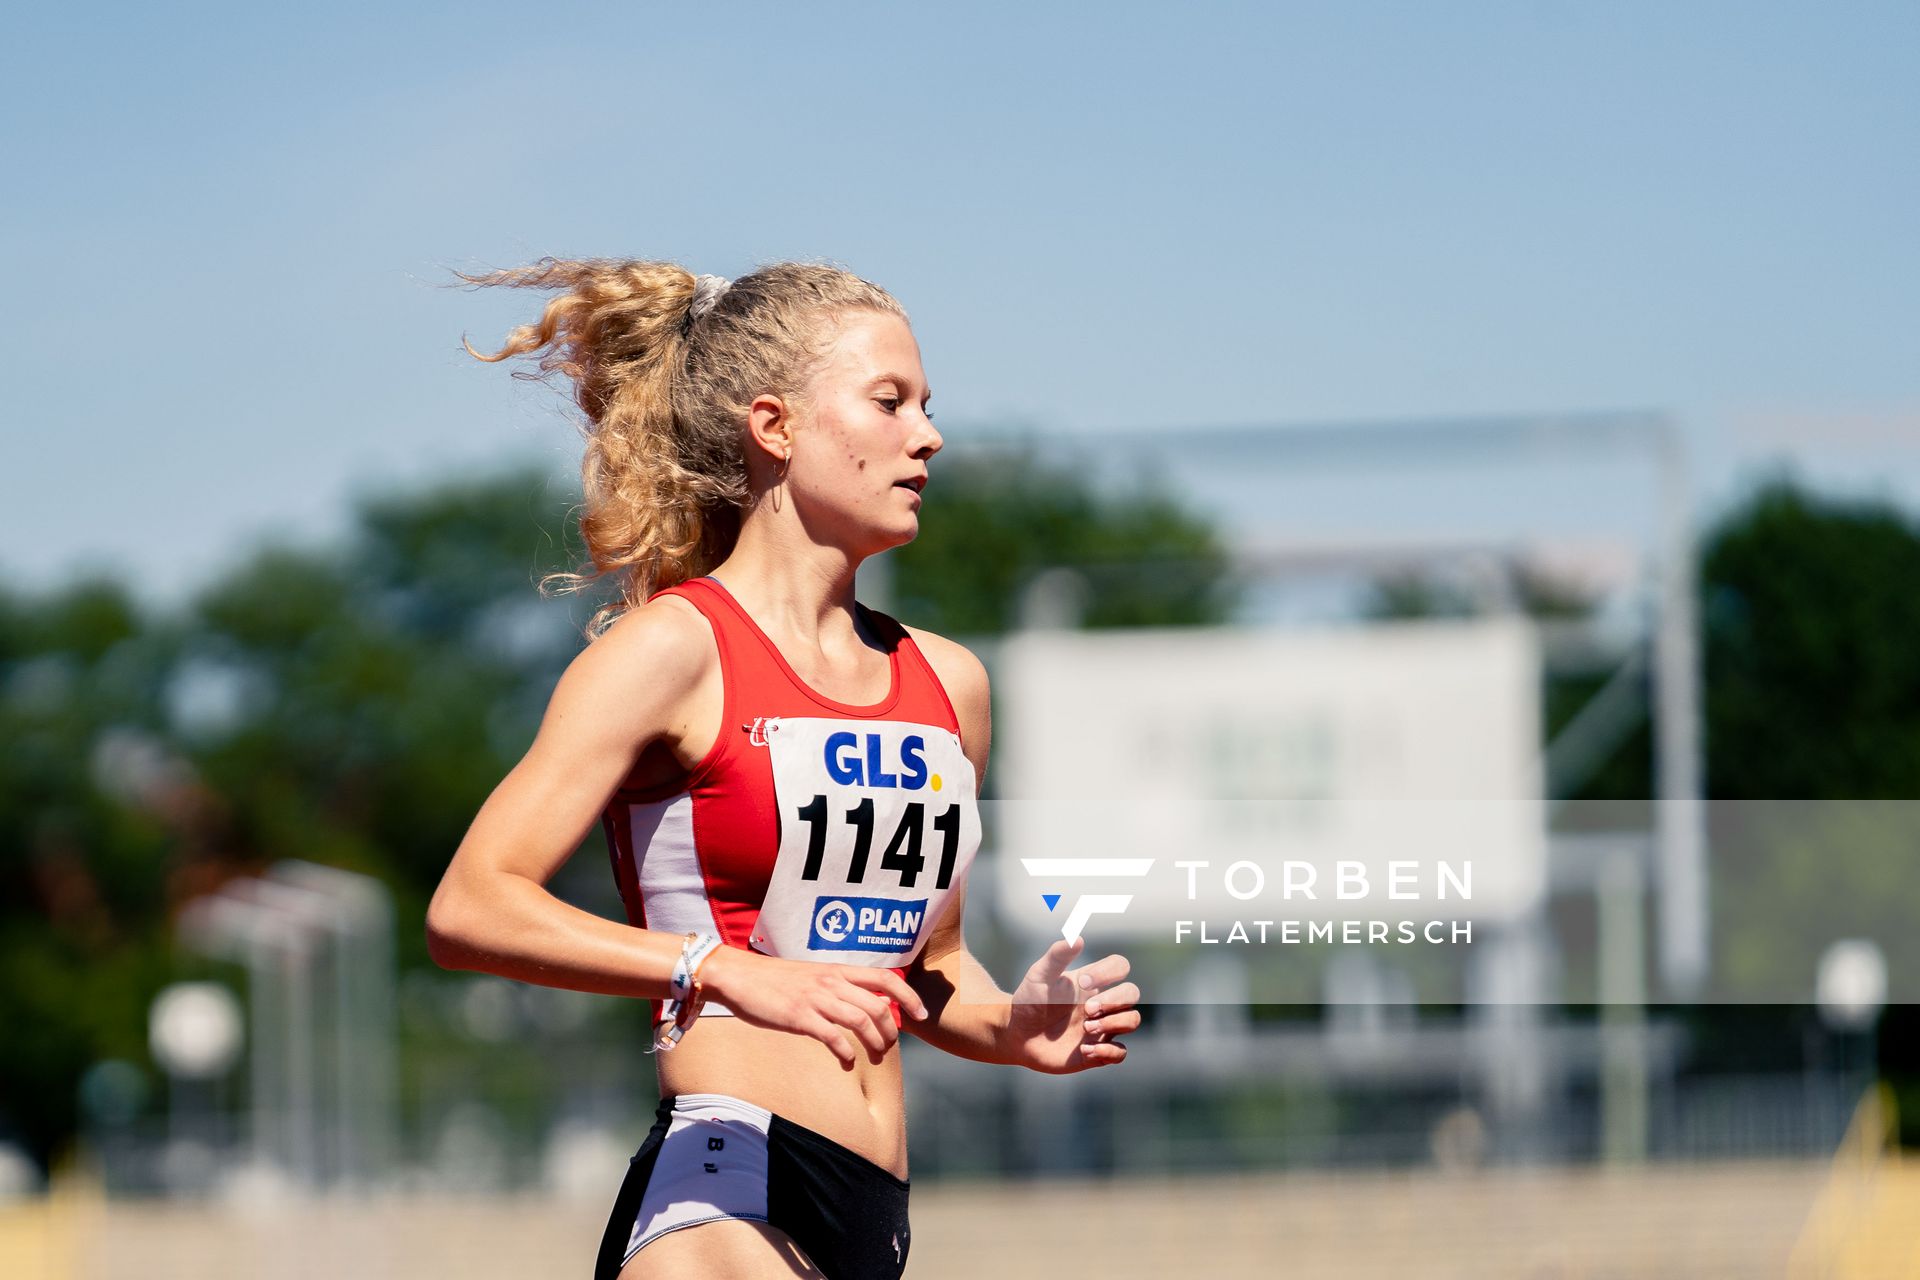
(665,388)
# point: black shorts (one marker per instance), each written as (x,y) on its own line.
(711,1156)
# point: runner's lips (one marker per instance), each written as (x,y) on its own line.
(916,483)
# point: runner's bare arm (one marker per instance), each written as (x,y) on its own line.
(967,1011)
(492,911)
(1058,1019)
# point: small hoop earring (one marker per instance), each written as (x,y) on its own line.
(779,481)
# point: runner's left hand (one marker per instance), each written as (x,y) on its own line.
(1065,1020)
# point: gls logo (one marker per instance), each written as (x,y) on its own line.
(1086,906)
(866,924)
(852,763)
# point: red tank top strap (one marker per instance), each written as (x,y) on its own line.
(917,671)
(740,659)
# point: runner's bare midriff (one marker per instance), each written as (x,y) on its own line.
(864,1110)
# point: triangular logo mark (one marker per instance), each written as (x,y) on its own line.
(1051,899)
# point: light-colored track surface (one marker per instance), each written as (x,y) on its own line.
(1698,1221)
(1695,1222)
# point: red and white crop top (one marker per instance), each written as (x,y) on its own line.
(813,829)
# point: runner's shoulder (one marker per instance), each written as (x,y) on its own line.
(663,645)
(959,669)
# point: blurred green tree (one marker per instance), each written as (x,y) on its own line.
(1811,609)
(995,519)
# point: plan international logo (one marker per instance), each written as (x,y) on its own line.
(866,924)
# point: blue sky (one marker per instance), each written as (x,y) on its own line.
(224,226)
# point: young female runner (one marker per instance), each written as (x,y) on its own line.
(787,778)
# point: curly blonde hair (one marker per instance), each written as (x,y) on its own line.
(665,388)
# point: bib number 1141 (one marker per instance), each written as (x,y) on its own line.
(902,853)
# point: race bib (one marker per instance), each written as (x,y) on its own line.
(878,825)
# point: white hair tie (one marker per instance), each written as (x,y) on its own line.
(706,292)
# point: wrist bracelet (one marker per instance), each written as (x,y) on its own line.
(694,948)
(689,993)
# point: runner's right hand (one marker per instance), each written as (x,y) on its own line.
(841,1005)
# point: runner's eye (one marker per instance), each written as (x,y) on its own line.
(889,403)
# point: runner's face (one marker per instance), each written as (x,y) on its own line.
(858,462)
